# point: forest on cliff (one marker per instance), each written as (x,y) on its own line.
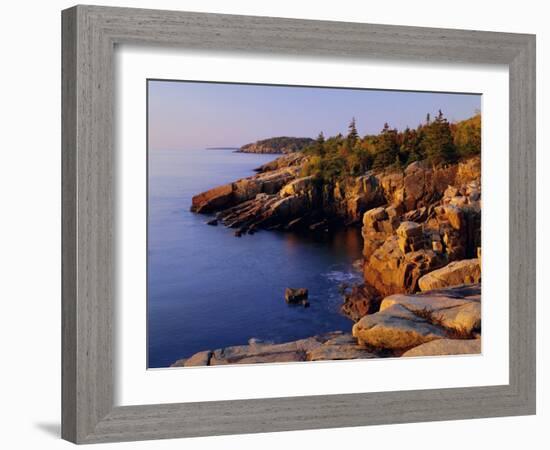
(437,141)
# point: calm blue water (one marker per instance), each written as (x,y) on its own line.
(209,289)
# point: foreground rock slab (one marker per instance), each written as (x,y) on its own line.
(442,347)
(406,321)
(395,328)
(331,346)
(458,309)
(198,359)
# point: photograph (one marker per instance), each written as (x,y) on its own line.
(295,223)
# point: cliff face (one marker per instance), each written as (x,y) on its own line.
(432,218)
(282,144)
(278,197)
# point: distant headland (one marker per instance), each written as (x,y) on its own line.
(277,145)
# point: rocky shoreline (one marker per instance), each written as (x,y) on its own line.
(440,322)
(421,227)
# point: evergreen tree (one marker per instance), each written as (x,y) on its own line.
(319,145)
(353,136)
(409,150)
(438,141)
(386,148)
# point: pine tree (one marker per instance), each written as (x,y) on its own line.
(319,145)
(438,141)
(353,136)
(387,148)
(410,149)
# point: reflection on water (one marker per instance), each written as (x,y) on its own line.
(349,241)
(208,289)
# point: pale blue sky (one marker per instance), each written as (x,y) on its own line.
(192,115)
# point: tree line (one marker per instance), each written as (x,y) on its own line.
(436,140)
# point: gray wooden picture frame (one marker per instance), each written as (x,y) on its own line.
(89,36)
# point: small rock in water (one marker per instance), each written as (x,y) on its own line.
(295,295)
(213,222)
(238,233)
(305,303)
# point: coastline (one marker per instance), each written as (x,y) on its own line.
(441,320)
(415,335)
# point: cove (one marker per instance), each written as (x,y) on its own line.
(208,289)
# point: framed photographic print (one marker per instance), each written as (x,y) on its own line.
(276,224)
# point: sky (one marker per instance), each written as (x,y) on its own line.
(192,115)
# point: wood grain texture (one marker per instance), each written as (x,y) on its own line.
(89,36)
(68,224)
(522,283)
